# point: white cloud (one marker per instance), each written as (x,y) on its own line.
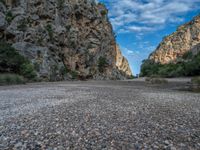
(137,16)
(139,28)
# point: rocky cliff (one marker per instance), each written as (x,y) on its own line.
(63,38)
(122,63)
(186,38)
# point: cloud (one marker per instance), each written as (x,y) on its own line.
(139,28)
(147,15)
(136,56)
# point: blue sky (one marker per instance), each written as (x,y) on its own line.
(140,25)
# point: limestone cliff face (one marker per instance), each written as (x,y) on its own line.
(177,44)
(69,34)
(122,63)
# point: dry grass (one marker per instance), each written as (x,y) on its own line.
(152,80)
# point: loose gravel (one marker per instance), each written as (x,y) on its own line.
(99,115)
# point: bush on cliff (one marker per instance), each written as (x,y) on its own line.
(102,64)
(3,1)
(12,62)
(9,17)
(27,70)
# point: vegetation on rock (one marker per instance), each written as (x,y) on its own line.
(60,3)
(12,62)
(50,31)
(9,16)
(69,34)
(74,74)
(102,63)
(2,1)
(185,39)
(22,25)
(28,71)
(191,67)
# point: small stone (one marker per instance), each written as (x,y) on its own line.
(166,142)
(19,144)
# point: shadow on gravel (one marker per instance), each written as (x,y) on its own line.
(189,89)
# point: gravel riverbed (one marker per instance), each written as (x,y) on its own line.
(98,115)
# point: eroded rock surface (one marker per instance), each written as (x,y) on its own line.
(122,63)
(69,34)
(186,38)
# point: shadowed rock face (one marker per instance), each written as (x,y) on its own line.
(186,38)
(57,34)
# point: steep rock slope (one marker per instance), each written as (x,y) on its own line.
(63,38)
(122,63)
(185,39)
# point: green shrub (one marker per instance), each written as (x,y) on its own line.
(132,77)
(28,71)
(104,12)
(8,79)
(50,31)
(60,3)
(188,55)
(191,67)
(196,80)
(12,62)
(9,16)
(68,27)
(149,68)
(3,1)
(19,79)
(195,87)
(102,64)
(37,66)
(10,59)
(22,25)
(74,74)
(64,70)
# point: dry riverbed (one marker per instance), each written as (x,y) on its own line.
(99,115)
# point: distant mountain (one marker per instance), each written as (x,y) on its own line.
(63,39)
(178,53)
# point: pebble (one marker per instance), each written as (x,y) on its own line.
(98,115)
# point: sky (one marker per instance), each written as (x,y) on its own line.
(140,25)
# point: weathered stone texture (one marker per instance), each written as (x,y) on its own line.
(69,33)
(186,38)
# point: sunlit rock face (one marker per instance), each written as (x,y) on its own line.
(122,63)
(69,34)
(186,38)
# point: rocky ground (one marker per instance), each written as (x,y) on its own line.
(99,115)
